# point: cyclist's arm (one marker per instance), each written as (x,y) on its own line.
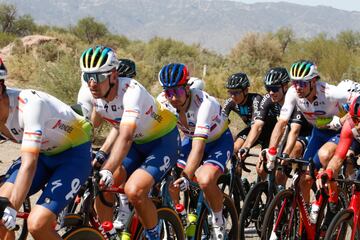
(291,139)
(24,178)
(195,157)
(277,133)
(121,147)
(96,119)
(346,139)
(254,133)
(110,139)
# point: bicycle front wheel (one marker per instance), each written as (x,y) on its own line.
(341,227)
(83,233)
(203,227)
(170,226)
(253,209)
(282,217)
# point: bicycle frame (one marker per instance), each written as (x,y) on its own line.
(355,207)
(299,202)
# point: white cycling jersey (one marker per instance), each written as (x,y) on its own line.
(42,123)
(204,116)
(134,106)
(328,103)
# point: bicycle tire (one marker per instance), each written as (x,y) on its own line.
(169,223)
(269,219)
(83,233)
(235,194)
(253,209)
(342,219)
(229,213)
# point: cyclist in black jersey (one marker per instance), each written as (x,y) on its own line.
(276,84)
(241,102)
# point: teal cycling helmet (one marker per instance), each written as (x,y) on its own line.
(99,59)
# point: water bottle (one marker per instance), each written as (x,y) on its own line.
(272,157)
(110,230)
(182,213)
(314,212)
(190,229)
(125,236)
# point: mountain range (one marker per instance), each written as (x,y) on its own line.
(214,24)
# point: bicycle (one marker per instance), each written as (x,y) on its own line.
(81,219)
(232,184)
(287,216)
(345,224)
(257,201)
(196,204)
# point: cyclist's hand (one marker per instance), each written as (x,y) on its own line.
(9,218)
(327,174)
(106,178)
(182,183)
(335,123)
(243,152)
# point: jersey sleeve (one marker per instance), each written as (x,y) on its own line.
(346,138)
(297,117)
(32,109)
(228,106)
(132,105)
(289,104)
(263,109)
(204,119)
(256,107)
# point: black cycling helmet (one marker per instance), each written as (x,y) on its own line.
(276,76)
(126,68)
(238,81)
(3,71)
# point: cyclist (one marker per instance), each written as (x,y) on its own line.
(276,83)
(319,102)
(244,104)
(349,133)
(55,156)
(147,143)
(207,138)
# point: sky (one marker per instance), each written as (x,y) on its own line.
(349,5)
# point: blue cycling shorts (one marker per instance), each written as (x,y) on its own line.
(59,176)
(318,138)
(156,157)
(216,153)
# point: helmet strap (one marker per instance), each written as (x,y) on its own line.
(245,97)
(111,85)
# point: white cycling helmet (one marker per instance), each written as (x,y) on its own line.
(195,82)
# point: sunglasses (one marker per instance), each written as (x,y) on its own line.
(97,77)
(273,89)
(299,83)
(234,93)
(171,92)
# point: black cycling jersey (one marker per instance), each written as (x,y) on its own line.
(298,117)
(246,111)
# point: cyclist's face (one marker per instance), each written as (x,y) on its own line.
(237,95)
(176,95)
(99,84)
(302,87)
(276,92)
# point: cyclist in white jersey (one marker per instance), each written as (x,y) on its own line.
(55,157)
(147,143)
(321,105)
(208,140)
